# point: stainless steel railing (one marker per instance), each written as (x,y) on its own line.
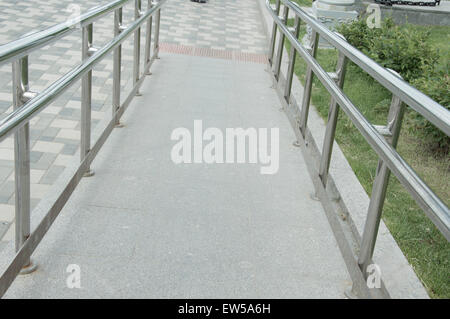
(27,104)
(382,139)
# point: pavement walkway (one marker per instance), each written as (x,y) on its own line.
(228,29)
(144,226)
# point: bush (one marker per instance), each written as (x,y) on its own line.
(396,47)
(407,51)
(437,86)
(357,33)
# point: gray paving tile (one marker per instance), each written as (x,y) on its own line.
(69,149)
(5,172)
(6,163)
(6,191)
(52,174)
(35,156)
(50,133)
(44,161)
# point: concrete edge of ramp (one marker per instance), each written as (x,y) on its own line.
(398,275)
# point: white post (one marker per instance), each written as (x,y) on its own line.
(332,13)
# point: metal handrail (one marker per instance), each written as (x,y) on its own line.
(25,45)
(27,104)
(18,118)
(421,103)
(390,160)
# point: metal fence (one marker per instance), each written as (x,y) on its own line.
(382,139)
(27,104)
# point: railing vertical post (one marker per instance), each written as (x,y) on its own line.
(308,85)
(274,34)
(157,26)
(117,65)
(333,114)
(148,38)
(137,45)
(22,161)
(392,132)
(280,48)
(86,97)
(292,57)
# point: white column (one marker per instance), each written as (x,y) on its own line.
(332,13)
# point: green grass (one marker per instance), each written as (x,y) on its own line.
(423,245)
(302,3)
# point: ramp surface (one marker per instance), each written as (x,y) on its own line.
(144,226)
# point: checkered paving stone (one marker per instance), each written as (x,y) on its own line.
(221,25)
(226,29)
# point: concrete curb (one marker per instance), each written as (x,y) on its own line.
(398,275)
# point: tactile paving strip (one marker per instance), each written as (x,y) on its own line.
(213,53)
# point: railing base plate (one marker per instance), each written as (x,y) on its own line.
(314,197)
(28,269)
(89,173)
(350,294)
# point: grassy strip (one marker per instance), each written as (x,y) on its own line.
(302,3)
(423,245)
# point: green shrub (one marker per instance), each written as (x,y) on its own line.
(407,51)
(400,48)
(357,33)
(437,86)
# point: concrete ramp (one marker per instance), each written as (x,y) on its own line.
(145,227)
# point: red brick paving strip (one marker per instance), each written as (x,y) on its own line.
(213,53)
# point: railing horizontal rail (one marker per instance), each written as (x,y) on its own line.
(18,118)
(421,103)
(436,210)
(21,47)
